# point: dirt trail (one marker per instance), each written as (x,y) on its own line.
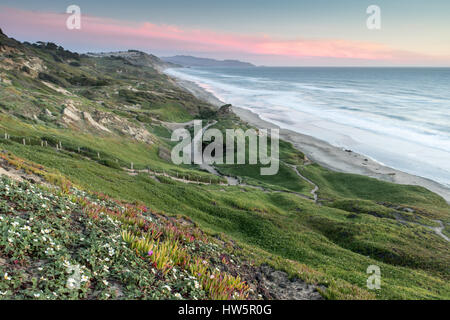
(156,174)
(316,187)
(234,181)
(437,230)
(19,174)
(206,162)
(196,153)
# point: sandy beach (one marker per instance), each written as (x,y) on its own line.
(321,152)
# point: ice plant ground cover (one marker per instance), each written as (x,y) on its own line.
(121,250)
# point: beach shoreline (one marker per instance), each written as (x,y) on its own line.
(321,152)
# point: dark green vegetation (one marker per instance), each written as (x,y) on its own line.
(358,221)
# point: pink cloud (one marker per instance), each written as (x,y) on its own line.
(104,32)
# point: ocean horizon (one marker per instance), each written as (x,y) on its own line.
(399,117)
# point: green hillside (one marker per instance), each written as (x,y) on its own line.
(92,133)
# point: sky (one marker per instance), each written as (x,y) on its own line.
(273,33)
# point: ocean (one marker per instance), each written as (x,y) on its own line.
(399,117)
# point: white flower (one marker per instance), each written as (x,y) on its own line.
(6,277)
(71,283)
(105,282)
(167,287)
(177,295)
(37,295)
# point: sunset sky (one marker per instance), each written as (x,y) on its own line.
(295,32)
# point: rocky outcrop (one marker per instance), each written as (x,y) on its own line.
(225,110)
(57,88)
(93,123)
(71,114)
(103,121)
(123,126)
(280,287)
(29,66)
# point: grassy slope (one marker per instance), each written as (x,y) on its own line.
(332,244)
